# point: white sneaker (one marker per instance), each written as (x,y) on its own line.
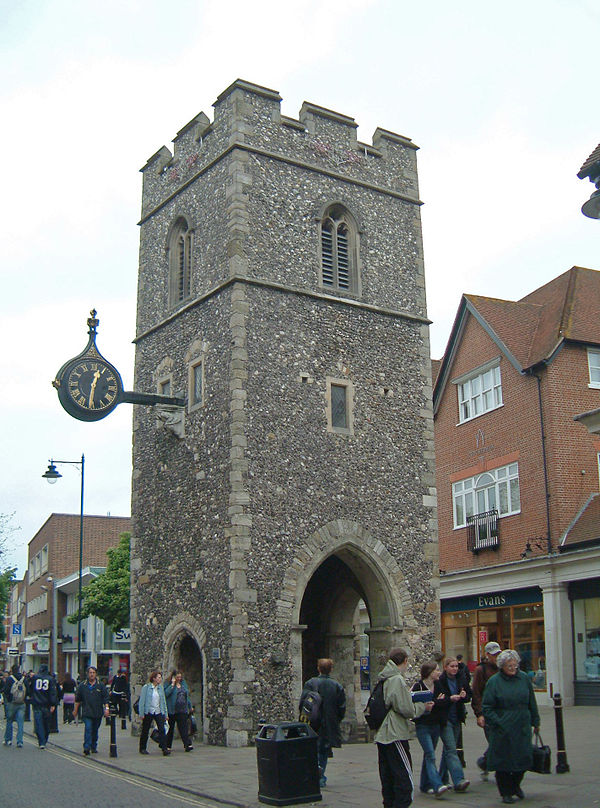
(441,791)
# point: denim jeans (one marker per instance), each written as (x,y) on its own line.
(450,762)
(428,735)
(90,735)
(41,720)
(14,712)
(322,755)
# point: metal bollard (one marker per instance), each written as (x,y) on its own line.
(113,732)
(562,765)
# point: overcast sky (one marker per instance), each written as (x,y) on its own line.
(501,98)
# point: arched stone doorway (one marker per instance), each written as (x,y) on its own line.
(184,642)
(349,587)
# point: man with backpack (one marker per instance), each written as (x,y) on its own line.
(14,692)
(325,713)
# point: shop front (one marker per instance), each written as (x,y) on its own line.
(513,618)
(585,604)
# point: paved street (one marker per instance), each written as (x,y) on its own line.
(31,778)
(229,776)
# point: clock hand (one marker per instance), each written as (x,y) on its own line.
(93,387)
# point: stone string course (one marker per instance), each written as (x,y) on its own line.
(233,521)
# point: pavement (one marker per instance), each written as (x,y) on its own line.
(229,776)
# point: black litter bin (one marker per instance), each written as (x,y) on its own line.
(288,772)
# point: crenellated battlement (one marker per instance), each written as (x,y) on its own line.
(249,116)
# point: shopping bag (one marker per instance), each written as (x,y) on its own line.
(541,756)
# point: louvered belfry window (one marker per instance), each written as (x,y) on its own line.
(337,246)
(180,262)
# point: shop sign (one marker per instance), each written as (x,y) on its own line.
(483,638)
(493,600)
(12,651)
(122,635)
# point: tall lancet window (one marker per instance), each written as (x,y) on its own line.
(338,251)
(180,262)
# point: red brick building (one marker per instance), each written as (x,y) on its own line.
(53,556)
(518,482)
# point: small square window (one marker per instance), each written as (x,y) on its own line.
(164,387)
(339,412)
(196,385)
(339,406)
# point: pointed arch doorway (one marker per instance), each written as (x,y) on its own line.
(346,613)
(184,642)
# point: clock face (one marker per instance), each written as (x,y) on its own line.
(90,388)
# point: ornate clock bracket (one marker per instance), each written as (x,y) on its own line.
(89,388)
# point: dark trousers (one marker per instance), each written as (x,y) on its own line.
(395,773)
(41,718)
(181,719)
(147,723)
(508,782)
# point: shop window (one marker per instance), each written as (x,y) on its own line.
(586,625)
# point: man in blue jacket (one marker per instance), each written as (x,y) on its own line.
(93,697)
(42,691)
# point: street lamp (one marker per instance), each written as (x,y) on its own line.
(52,475)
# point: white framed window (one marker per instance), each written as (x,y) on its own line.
(37,605)
(340,406)
(594,367)
(196,385)
(44,556)
(497,490)
(479,392)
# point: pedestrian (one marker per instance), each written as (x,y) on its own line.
(484,671)
(14,693)
(457,693)
(428,731)
(59,695)
(120,694)
(93,697)
(153,707)
(395,764)
(69,686)
(42,691)
(179,707)
(463,668)
(333,709)
(510,711)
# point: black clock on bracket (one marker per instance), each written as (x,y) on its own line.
(88,386)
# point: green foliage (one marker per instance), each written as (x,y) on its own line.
(6,579)
(107,596)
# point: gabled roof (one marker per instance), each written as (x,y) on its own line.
(586,525)
(530,331)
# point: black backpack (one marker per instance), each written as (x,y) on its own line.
(376,711)
(311,707)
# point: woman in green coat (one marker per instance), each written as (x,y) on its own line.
(510,711)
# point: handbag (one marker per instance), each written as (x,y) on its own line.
(541,756)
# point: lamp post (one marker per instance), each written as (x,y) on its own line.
(52,475)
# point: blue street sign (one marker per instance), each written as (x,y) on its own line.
(16,628)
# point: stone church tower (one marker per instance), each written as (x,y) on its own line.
(288,512)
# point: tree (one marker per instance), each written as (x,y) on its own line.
(6,528)
(107,596)
(6,579)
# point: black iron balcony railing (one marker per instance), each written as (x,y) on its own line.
(483,531)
